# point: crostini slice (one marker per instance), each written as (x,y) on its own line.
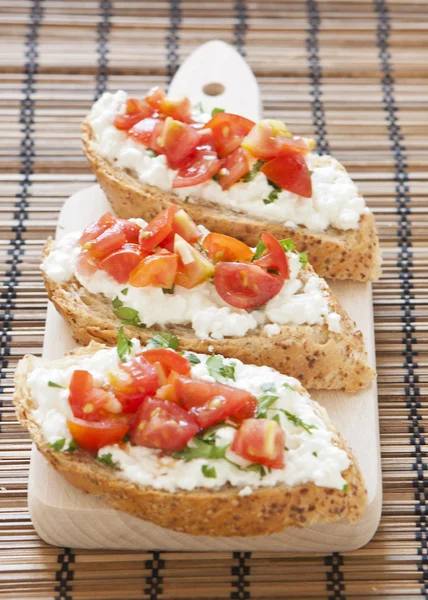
(196,443)
(264,305)
(233,176)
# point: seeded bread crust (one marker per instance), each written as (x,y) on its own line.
(335,253)
(220,512)
(319,358)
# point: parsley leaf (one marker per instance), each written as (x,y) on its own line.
(287,386)
(287,245)
(125,291)
(168,290)
(151,153)
(124,345)
(209,434)
(55,385)
(315,454)
(257,468)
(107,460)
(163,340)
(128,316)
(272,197)
(208,471)
(277,419)
(58,445)
(297,421)
(217,110)
(253,172)
(193,359)
(264,404)
(116,303)
(202,450)
(216,177)
(277,188)
(260,248)
(303,257)
(218,369)
(345,487)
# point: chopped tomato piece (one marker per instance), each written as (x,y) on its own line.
(211,403)
(92,436)
(107,242)
(193,267)
(260,441)
(86,265)
(132,381)
(178,141)
(206,139)
(90,402)
(245,286)
(229,130)
(158,270)
(274,256)
(96,228)
(162,425)
(222,247)
(168,242)
(167,391)
(290,172)
(136,110)
(267,138)
(158,229)
(177,108)
(144,130)
(155,96)
(130,229)
(119,264)
(235,166)
(155,140)
(201,166)
(170,360)
(186,227)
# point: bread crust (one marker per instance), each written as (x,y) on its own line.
(319,358)
(220,512)
(335,253)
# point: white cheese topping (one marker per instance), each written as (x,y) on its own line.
(311,456)
(335,200)
(201,307)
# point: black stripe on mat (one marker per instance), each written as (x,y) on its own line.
(405,264)
(172,39)
(335,580)
(154,580)
(64,575)
(103,31)
(315,76)
(240,573)
(241,26)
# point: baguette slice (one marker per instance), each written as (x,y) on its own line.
(222,512)
(319,358)
(335,253)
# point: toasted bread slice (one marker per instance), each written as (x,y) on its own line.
(319,358)
(335,253)
(202,511)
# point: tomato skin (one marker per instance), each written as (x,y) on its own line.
(107,242)
(192,273)
(245,286)
(143,131)
(274,256)
(135,377)
(211,403)
(122,262)
(201,166)
(177,108)
(130,230)
(170,360)
(206,139)
(86,265)
(221,247)
(228,130)
(157,270)
(154,97)
(178,141)
(92,436)
(136,110)
(87,401)
(235,166)
(290,172)
(162,425)
(168,242)
(185,227)
(158,229)
(267,138)
(260,441)
(96,228)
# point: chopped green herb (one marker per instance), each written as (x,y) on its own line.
(297,421)
(218,369)
(277,419)
(257,468)
(163,340)
(287,245)
(345,487)
(129,316)
(269,386)
(303,257)
(315,454)
(202,450)
(107,460)
(151,153)
(272,197)
(186,200)
(209,434)
(168,290)
(199,107)
(124,345)
(72,446)
(273,271)
(126,438)
(58,445)
(208,471)
(310,172)
(125,291)
(253,172)
(260,248)
(192,358)
(264,404)
(55,385)
(216,177)
(217,110)
(287,386)
(117,303)
(275,187)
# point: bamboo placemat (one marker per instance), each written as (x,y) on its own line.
(353,74)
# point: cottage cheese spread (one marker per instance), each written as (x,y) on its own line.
(309,457)
(335,201)
(297,302)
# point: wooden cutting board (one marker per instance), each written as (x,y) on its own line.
(65,516)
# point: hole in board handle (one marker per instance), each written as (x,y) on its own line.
(213,89)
